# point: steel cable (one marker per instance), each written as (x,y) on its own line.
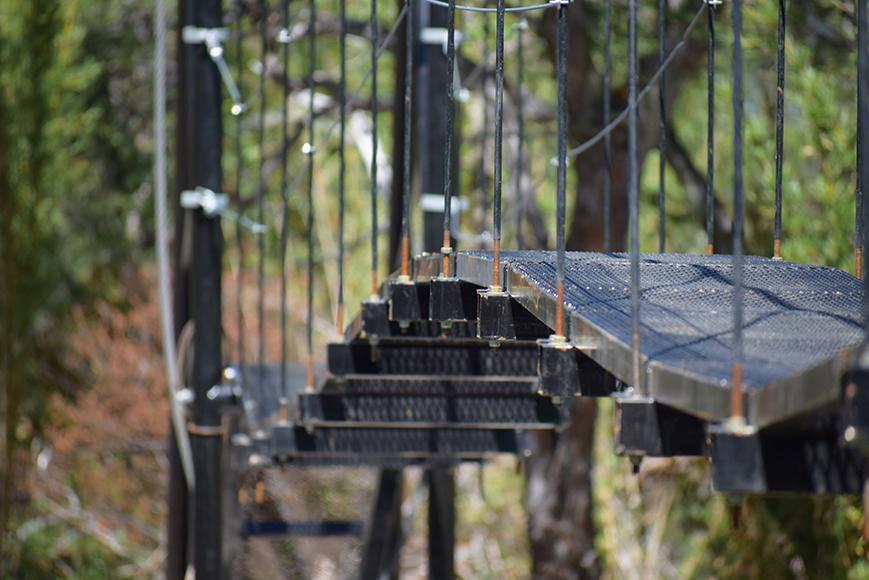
(710,132)
(285,209)
(499,144)
(309,149)
(779,125)
(342,135)
(607,113)
(633,193)
(375,31)
(662,128)
(738,157)
(446,250)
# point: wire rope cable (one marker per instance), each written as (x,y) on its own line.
(662,128)
(408,134)
(710,131)
(561,177)
(342,169)
(520,132)
(633,194)
(861,241)
(285,210)
(499,146)
(515,9)
(309,150)
(607,113)
(446,248)
(260,195)
(375,31)
(738,158)
(779,125)
(167,323)
(239,166)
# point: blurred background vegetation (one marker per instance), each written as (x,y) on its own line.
(82,405)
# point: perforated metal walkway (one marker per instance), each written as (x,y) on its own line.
(801,324)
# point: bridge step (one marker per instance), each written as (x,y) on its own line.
(401,411)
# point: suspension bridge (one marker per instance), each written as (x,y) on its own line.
(457,354)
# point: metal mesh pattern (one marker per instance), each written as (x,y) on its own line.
(796,316)
(503,410)
(426,385)
(414,442)
(458,359)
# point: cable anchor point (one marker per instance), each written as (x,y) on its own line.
(213,39)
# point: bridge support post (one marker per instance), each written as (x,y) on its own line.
(383,540)
(441,524)
(431,141)
(199,165)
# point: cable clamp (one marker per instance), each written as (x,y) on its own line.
(308,149)
(446,250)
(217,204)
(713,3)
(284,36)
(212,204)
(561,2)
(213,39)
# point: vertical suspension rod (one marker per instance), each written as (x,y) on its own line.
(662,128)
(375,41)
(860,241)
(310,149)
(607,113)
(285,230)
(520,131)
(260,194)
(710,130)
(483,185)
(408,134)
(633,193)
(446,248)
(342,121)
(499,145)
(736,388)
(779,126)
(239,241)
(561,178)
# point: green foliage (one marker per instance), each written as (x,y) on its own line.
(73,158)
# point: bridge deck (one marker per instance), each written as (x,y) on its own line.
(801,324)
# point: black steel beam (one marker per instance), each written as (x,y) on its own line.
(441,524)
(383,537)
(200,116)
(312,529)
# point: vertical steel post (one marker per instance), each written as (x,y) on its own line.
(431,111)
(200,131)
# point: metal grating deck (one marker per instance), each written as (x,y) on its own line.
(802,323)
